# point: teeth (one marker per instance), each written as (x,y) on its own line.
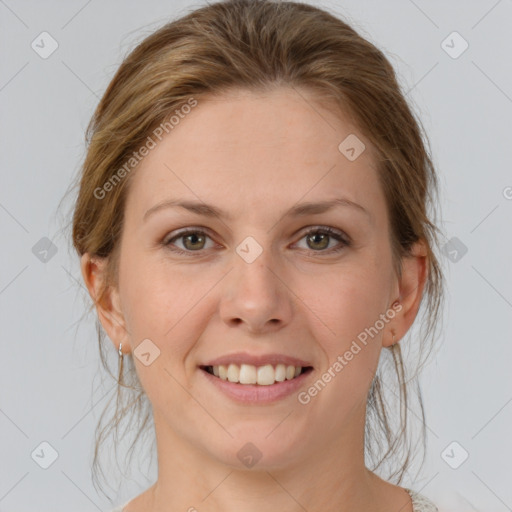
(223,371)
(266,375)
(262,375)
(280,373)
(247,374)
(233,373)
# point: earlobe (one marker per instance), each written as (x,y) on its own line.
(106,300)
(411,286)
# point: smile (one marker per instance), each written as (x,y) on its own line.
(256,385)
(247,374)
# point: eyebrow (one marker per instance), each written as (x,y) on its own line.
(303,209)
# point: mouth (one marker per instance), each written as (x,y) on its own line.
(259,384)
(256,379)
(251,375)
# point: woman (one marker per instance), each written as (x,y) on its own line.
(252,221)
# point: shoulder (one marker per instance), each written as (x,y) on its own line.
(140,502)
(421,503)
(120,508)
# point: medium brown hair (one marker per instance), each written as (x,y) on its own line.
(259,45)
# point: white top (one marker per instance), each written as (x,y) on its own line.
(420,503)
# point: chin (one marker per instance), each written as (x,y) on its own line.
(260,447)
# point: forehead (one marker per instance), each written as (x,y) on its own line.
(259,152)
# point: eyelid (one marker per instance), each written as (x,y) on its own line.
(343,239)
(185,231)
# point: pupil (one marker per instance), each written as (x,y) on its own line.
(194,236)
(320,235)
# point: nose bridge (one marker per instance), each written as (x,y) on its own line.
(253,264)
(255,292)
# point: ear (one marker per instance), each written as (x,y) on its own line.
(410,286)
(107,306)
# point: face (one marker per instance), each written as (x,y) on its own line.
(260,282)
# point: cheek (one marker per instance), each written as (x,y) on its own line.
(155,297)
(160,304)
(346,303)
(347,336)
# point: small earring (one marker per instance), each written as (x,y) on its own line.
(120,352)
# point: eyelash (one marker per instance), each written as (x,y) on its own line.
(337,235)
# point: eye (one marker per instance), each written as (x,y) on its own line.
(194,240)
(319,237)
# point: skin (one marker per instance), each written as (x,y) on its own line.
(256,156)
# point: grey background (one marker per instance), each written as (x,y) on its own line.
(50,383)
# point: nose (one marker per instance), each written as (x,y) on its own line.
(256,296)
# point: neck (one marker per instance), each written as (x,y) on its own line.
(326,478)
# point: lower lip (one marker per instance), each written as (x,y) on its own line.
(255,394)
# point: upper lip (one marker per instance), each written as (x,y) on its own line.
(257,360)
